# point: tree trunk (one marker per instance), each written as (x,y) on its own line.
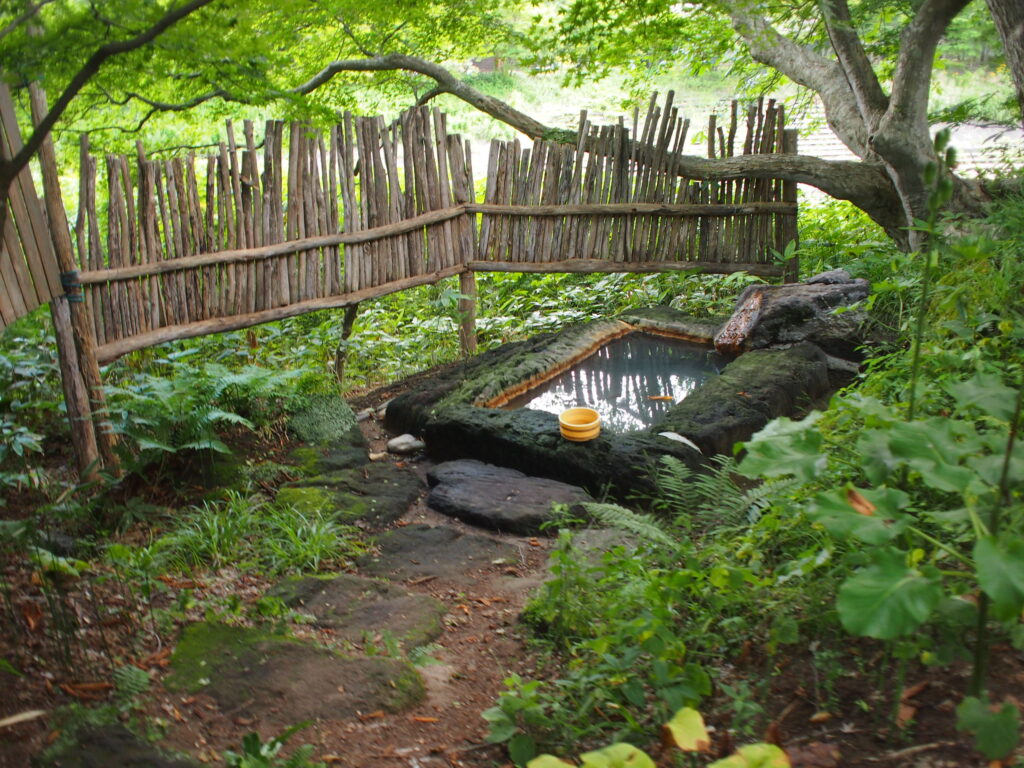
(1008,16)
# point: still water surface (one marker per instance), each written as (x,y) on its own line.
(630,381)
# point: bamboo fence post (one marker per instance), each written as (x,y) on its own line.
(467,312)
(91,432)
(341,352)
(789,228)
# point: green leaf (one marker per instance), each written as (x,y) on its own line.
(996,733)
(887,599)
(755,756)
(842,520)
(548,761)
(785,447)
(617,756)
(987,393)
(687,731)
(521,749)
(1000,566)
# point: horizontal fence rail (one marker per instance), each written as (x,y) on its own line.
(309,220)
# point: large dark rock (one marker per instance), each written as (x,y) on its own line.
(356,607)
(530,441)
(752,390)
(770,315)
(418,551)
(497,497)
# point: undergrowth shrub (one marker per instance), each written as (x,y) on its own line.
(249,531)
(643,628)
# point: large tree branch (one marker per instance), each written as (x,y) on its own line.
(808,68)
(854,60)
(10,168)
(446,82)
(911,82)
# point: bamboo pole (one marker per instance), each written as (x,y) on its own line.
(95,437)
(467,312)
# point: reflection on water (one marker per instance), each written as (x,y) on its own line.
(630,381)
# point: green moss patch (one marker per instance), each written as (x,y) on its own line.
(378,493)
(357,607)
(284,680)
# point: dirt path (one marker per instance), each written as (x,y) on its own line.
(462,670)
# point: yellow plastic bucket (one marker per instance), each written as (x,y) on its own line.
(579,424)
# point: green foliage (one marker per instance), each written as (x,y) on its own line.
(259,754)
(130,682)
(179,414)
(642,628)
(996,729)
(249,531)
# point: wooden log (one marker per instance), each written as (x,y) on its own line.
(109,352)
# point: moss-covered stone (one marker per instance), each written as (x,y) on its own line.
(322,419)
(309,501)
(355,607)
(752,390)
(284,680)
(726,409)
(306,460)
(378,493)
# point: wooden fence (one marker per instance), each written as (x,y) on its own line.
(182,247)
(29,276)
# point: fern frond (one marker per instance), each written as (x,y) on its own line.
(645,527)
(130,682)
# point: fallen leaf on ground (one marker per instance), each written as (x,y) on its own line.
(817,754)
(821,717)
(913,690)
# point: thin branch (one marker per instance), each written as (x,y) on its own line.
(355,40)
(28,14)
(10,168)
(911,81)
(430,95)
(445,79)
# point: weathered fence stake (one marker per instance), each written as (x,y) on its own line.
(83,387)
(467,312)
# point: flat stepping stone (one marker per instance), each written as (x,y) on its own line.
(422,551)
(498,498)
(112,746)
(378,493)
(356,607)
(282,680)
